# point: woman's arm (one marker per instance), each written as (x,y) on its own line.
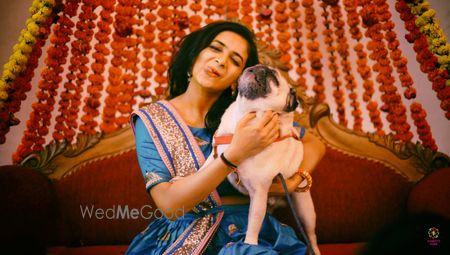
(313,152)
(184,193)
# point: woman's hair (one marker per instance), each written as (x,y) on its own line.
(188,50)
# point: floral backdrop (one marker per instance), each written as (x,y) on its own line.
(104,58)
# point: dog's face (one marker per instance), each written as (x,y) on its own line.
(263,88)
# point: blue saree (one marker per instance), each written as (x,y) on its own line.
(167,147)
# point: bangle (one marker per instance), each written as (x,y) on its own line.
(228,163)
(306,176)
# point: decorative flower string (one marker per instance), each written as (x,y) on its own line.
(429,26)
(219,9)
(283,35)
(363,69)
(70,99)
(296,25)
(122,28)
(423,129)
(400,63)
(127,87)
(180,21)
(19,70)
(246,10)
(396,55)
(208,11)
(39,121)
(427,60)
(40,11)
(148,45)
(264,30)
(314,54)
(96,79)
(195,20)
(342,49)
(231,9)
(333,65)
(163,46)
(396,111)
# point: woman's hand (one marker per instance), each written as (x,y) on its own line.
(277,189)
(252,136)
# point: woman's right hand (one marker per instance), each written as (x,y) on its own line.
(251,136)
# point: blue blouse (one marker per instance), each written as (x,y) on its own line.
(150,161)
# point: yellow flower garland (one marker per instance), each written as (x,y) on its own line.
(429,26)
(39,10)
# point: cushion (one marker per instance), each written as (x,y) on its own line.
(432,194)
(104,202)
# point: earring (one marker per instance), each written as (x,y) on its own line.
(189,76)
(233,89)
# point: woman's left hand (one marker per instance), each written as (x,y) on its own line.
(277,189)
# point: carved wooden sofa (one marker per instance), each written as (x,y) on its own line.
(89,197)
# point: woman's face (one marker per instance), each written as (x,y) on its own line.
(220,64)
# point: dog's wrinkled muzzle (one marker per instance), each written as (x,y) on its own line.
(291,101)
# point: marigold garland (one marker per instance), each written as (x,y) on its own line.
(429,26)
(148,51)
(314,54)
(246,10)
(166,22)
(418,114)
(363,69)
(264,31)
(296,25)
(283,35)
(396,111)
(427,60)
(195,20)
(19,70)
(69,104)
(127,87)
(342,49)
(338,93)
(39,121)
(163,47)
(96,79)
(232,7)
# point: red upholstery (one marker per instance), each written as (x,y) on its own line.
(103,185)
(354,198)
(432,194)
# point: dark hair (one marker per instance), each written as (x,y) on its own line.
(188,50)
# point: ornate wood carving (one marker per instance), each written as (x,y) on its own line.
(60,159)
(412,161)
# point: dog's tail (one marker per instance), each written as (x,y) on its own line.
(297,220)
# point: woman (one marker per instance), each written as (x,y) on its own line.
(203,212)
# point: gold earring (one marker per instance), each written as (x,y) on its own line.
(233,89)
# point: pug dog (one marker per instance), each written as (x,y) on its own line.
(261,88)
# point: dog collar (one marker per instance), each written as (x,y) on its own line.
(226,139)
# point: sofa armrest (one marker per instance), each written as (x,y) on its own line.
(431,194)
(28,208)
